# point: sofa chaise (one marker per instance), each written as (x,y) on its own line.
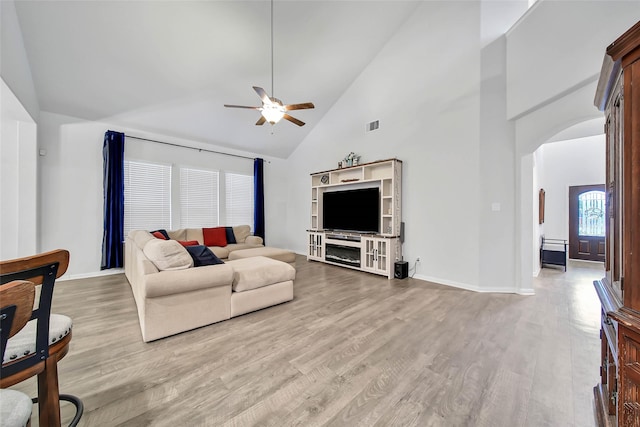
(173,296)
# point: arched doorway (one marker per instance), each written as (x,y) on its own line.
(530,231)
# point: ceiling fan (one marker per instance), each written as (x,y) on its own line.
(272,109)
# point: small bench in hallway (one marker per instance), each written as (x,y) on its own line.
(265,251)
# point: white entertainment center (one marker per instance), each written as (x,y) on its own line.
(370,251)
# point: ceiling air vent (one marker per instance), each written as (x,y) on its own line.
(373,125)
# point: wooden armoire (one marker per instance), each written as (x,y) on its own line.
(617,395)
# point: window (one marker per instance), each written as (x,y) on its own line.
(198,198)
(168,196)
(239,199)
(591,210)
(147,196)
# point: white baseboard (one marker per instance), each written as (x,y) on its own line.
(100,273)
(473,288)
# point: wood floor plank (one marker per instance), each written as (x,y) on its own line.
(381,393)
(351,349)
(275,408)
(506,399)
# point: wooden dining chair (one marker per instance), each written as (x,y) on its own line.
(44,340)
(16,299)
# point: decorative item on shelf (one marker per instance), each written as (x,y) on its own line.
(324,179)
(350,180)
(351,160)
(340,165)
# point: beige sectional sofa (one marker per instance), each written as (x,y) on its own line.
(242,235)
(173,296)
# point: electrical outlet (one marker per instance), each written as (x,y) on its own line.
(417,260)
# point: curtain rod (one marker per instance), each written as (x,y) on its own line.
(193,148)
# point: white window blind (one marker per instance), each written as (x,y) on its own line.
(239,199)
(147,196)
(198,198)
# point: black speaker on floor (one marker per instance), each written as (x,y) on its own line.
(401,270)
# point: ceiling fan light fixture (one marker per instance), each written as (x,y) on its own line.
(273,110)
(273,113)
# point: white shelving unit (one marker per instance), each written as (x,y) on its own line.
(375,258)
(316,246)
(372,253)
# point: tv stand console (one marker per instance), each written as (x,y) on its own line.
(373,253)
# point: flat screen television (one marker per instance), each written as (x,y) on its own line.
(352,210)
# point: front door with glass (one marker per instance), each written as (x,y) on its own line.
(587,222)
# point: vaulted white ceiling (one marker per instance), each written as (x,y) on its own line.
(167,67)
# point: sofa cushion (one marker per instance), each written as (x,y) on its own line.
(283,255)
(254,241)
(141,237)
(220,252)
(241,232)
(168,255)
(237,246)
(186,243)
(216,236)
(179,234)
(182,282)
(158,234)
(202,256)
(256,272)
(231,238)
(194,234)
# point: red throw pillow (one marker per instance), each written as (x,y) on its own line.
(186,243)
(159,235)
(216,236)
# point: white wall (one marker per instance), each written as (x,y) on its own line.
(525,218)
(18,178)
(569,163)
(427,98)
(559,46)
(539,181)
(71,182)
(411,75)
(14,64)
(496,176)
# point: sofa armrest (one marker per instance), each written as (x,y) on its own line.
(254,241)
(172,282)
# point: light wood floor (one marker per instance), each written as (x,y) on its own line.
(352,349)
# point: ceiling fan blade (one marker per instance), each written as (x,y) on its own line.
(262,94)
(261,121)
(304,106)
(242,106)
(293,120)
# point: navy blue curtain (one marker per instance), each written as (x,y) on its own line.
(258,197)
(113,193)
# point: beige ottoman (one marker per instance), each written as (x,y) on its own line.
(260,282)
(273,253)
